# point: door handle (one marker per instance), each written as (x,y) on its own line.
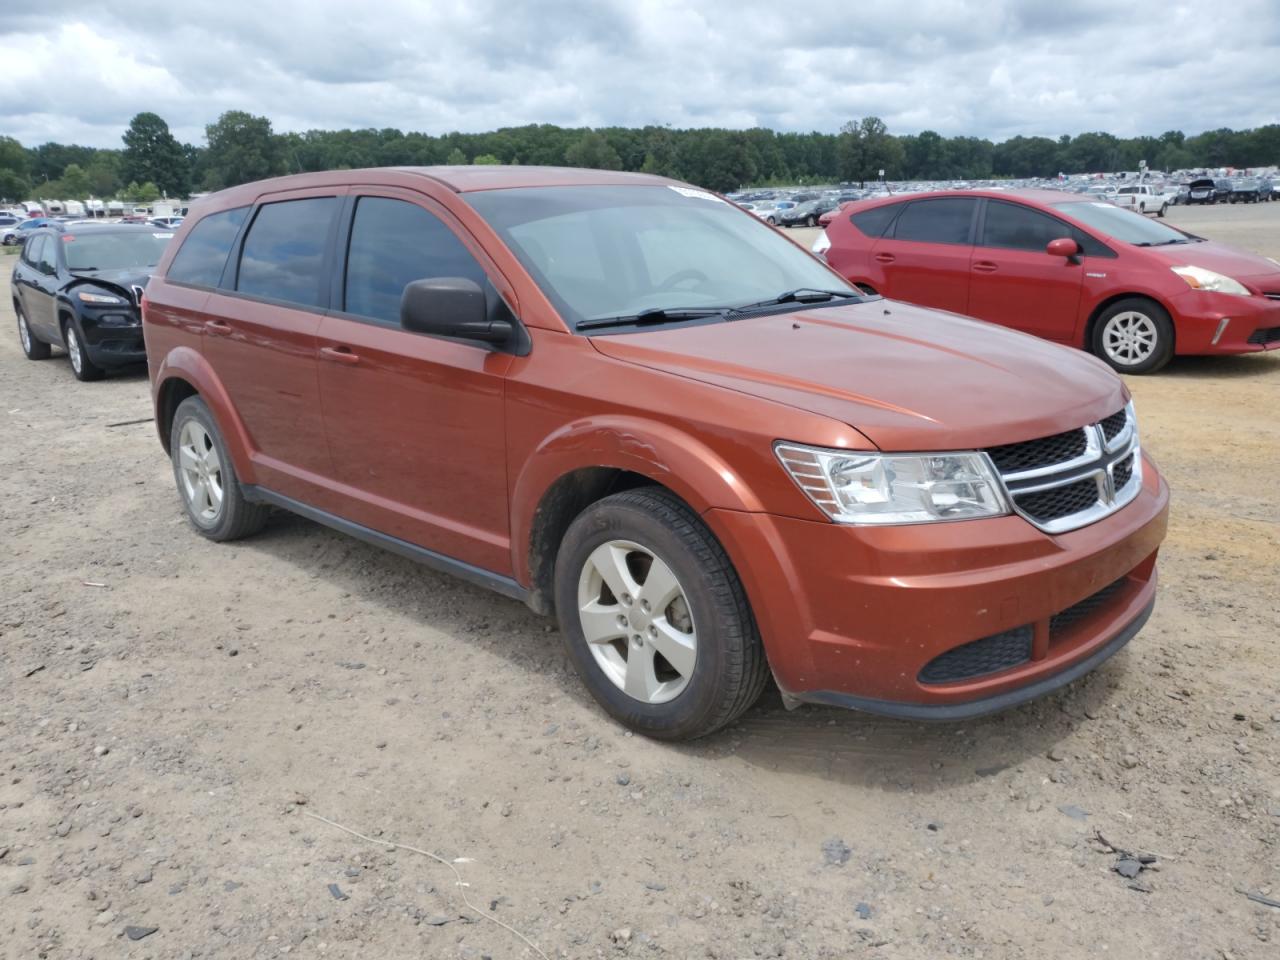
(885,257)
(218,328)
(339,355)
(985,266)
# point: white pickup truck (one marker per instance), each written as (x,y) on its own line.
(1143,198)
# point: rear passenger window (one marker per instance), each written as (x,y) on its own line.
(49,255)
(204,252)
(945,220)
(1020,228)
(283,256)
(393,243)
(875,221)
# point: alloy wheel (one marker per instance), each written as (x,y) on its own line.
(1129,338)
(200,469)
(73,350)
(637,622)
(24,334)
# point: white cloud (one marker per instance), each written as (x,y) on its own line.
(993,69)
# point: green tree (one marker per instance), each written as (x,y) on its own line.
(241,148)
(660,156)
(487,159)
(75,183)
(456,158)
(866,148)
(593,150)
(14,186)
(151,153)
(136,192)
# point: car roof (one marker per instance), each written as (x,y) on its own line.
(1031,194)
(89,226)
(459,179)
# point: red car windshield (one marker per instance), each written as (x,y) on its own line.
(1123,225)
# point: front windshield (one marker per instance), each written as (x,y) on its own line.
(615,251)
(1123,225)
(114,251)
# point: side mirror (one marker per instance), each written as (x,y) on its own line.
(1064,247)
(451,307)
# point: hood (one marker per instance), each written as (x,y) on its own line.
(119,281)
(1252,268)
(905,377)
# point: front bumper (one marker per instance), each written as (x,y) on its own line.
(112,343)
(851,616)
(1197,316)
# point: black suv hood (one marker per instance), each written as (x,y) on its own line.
(120,282)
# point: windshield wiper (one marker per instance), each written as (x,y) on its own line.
(1162,243)
(654,315)
(799,295)
(82,269)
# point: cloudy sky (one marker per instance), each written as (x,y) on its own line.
(76,72)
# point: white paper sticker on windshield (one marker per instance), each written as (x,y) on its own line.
(696,194)
(163,236)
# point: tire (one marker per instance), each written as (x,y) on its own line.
(195,440)
(1164,208)
(33,347)
(717,667)
(813,221)
(771,221)
(1142,208)
(1134,335)
(82,366)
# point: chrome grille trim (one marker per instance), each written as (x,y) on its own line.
(1098,463)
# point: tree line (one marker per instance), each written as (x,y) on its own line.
(240,147)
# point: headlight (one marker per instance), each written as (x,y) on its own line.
(851,486)
(99,297)
(1201,279)
(822,244)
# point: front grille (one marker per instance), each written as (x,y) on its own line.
(1090,605)
(1112,426)
(1070,479)
(1123,472)
(1049,505)
(979,658)
(1035,454)
(1264,335)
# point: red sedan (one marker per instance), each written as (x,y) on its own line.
(1067,268)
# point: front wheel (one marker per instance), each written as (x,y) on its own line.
(655,618)
(82,365)
(1134,335)
(1164,208)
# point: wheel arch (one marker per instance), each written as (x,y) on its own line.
(557,483)
(185,373)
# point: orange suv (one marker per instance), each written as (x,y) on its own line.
(626,402)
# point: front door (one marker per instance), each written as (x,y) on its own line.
(1014,282)
(415,423)
(925,260)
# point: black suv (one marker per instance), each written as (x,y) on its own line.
(79,286)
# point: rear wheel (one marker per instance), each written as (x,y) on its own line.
(1134,335)
(83,367)
(33,348)
(655,618)
(206,478)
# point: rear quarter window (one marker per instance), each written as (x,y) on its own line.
(874,222)
(204,253)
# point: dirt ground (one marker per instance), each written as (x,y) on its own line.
(172,709)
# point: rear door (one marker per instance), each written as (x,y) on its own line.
(26,277)
(415,423)
(1015,282)
(260,337)
(924,259)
